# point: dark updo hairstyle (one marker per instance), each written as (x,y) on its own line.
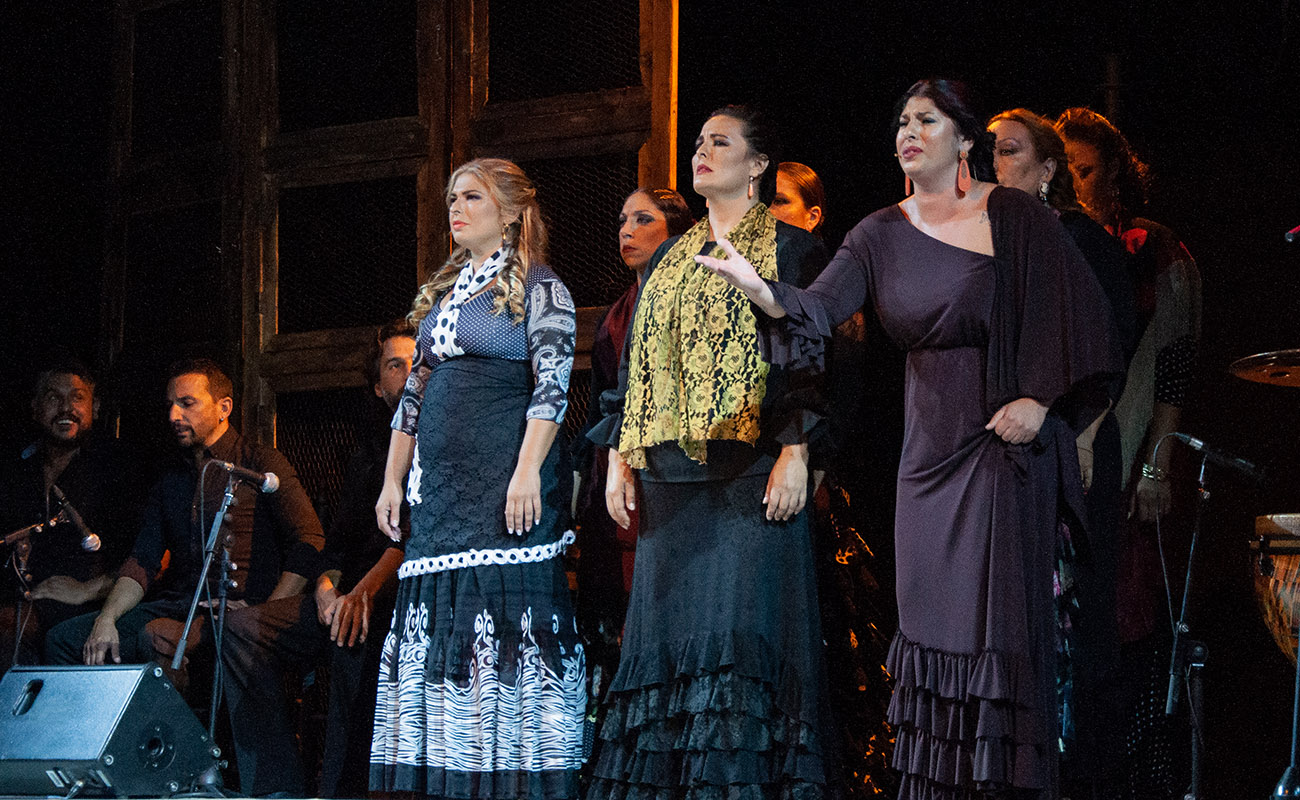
(762,139)
(1132,175)
(677,215)
(954,99)
(1047,143)
(809,186)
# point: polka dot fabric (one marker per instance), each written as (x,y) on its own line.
(545,338)
(468,283)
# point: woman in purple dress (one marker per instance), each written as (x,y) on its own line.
(1001,319)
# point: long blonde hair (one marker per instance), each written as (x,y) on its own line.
(514,194)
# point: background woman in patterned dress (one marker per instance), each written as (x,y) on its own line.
(482,683)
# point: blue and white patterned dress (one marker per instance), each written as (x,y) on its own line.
(482,684)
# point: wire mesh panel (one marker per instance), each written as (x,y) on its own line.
(575,419)
(580,200)
(342,62)
(346,254)
(539,50)
(317,431)
(177,302)
(176,77)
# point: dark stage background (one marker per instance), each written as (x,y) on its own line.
(1207,93)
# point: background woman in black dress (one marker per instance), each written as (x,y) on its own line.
(1029,155)
(648,217)
(606,549)
(1112,183)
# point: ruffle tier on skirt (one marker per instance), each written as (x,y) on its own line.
(964,723)
(720,692)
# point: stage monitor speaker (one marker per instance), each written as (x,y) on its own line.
(120,731)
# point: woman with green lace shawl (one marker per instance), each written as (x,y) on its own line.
(720,691)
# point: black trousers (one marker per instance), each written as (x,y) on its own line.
(354,681)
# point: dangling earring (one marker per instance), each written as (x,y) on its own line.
(963,174)
(1042,191)
(750,195)
(907,185)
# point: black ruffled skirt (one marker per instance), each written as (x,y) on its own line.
(720,690)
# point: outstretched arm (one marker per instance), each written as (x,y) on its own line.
(737,271)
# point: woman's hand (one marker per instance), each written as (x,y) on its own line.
(1151,497)
(1085,466)
(738,272)
(787,485)
(388,511)
(620,490)
(1018,422)
(524,500)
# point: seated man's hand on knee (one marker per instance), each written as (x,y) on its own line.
(102,642)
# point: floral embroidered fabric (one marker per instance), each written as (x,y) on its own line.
(694,371)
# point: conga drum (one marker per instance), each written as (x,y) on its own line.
(1277,581)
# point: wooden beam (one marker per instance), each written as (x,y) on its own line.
(112,311)
(659,56)
(317,359)
(326,149)
(562,148)
(293,178)
(587,317)
(434,65)
(257,110)
(564,117)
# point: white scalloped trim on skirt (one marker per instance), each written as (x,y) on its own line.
(477,558)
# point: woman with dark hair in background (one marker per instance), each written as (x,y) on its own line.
(648,217)
(482,683)
(720,690)
(1001,319)
(1112,182)
(800,197)
(1028,154)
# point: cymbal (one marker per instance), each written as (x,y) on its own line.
(1279,368)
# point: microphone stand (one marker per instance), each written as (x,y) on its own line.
(1289,785)
(223,584)
(1189,656)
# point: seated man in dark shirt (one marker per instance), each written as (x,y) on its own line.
(66,578)
(353,607)
(356,595)
(275,546)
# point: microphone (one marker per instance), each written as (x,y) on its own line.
(265,482)
(1292,234)
(1221,458)
(89,541)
